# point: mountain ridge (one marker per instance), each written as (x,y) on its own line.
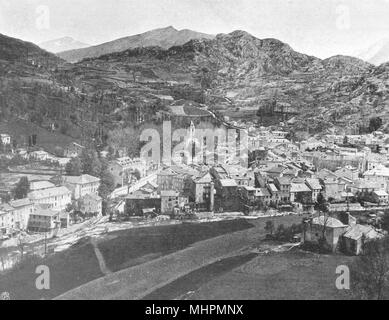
(62,44)
(163,37)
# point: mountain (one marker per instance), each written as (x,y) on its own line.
(14,50)
(376,54)
(164,38)
(62,44)
(235,75)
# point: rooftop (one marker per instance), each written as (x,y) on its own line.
(328,222)
(84,179)
(299,187)
(20,203)
(228,183)
(314,184)
(47,193)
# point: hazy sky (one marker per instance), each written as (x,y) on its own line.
(318,27)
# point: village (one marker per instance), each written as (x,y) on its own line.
(340,182)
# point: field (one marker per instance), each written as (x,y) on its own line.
(190,261)
(278,276)
(79,265)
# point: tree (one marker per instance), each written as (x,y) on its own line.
(375,124)
(22,188)
(269,228)
(126,140)
(90,163)
(321,204)
(74,167)
(107,182)
(371,271)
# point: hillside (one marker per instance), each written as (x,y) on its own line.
(164,38)
(17,51)
(62,44)
(236,75)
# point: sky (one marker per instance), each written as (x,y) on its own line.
(322,28)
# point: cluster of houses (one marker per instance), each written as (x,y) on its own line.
(45,207)
(341,233)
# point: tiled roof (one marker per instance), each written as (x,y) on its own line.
(46,193)
(228,183)
(20,203)
(299,187)
(328,222)
(84,179)
(314,184)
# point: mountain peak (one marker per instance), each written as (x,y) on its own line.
(165,38)
(62,44)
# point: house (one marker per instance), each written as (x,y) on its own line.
(171,200)
(123,168)
(56,198)
(44,220)
(168,179)
(316,188)
(357,236)
(284,185)
(274,193)
(348,172)
(203,190)
(378,175)
(5,139)
(264,197)
(23,208)
(91,203)
(82,185)
(365,187)
(381,197)
(333,188)
(324,227)
(7,220)
(300,192)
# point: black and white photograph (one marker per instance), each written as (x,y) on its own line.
(207,152)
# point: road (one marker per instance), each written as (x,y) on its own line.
(127,190)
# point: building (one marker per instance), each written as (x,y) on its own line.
(5,139)
(7,220)
(56,198)
(136,202)
(284,186)
(171,200)
(316,188)
(357,236)
(81,186)
(381,197)
(44,220)
(379,175)
(300,193)
(91,203)
(169,179)
(203,191)
(123,168)
(40,185)
(325,228)
(23,208)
